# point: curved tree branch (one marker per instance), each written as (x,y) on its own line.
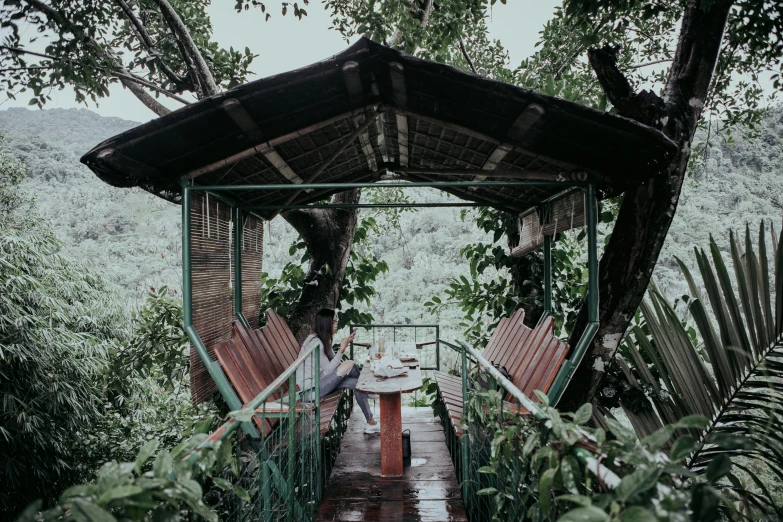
(645,106)
(143,96)
(193,57)
(146,40)
(466,56)
(127,75)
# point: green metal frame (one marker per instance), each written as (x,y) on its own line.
(352,327)
(460,451)
(238,230)
(390,184)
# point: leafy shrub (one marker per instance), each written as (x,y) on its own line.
(58,323)
(526,468)
(167,489)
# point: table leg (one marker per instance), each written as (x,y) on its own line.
(391,435)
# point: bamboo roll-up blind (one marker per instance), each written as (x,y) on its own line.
(530,236)
(565,213)
(213,311)
(252,263)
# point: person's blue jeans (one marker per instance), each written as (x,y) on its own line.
(332,381)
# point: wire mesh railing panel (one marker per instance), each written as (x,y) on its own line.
(497,483)
(500,442)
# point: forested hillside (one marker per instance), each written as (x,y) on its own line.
(134,237)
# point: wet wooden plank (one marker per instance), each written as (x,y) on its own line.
(427,489)
(447,510)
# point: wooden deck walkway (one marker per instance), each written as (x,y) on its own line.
(428,491)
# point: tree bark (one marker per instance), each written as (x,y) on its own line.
(145,98)
(196,63)
(328,234)
(647,210)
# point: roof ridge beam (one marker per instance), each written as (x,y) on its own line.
(237,112)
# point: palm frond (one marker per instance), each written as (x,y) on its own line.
(734,376)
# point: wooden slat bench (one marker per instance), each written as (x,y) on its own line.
(253,359)
(532,357)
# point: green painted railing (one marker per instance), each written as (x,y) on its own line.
(283,471)
(471,452)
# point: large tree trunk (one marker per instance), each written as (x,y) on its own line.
(647,210)
(328,234)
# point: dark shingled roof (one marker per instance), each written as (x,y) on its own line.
(431,122)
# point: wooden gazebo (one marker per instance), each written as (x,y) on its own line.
(367,116)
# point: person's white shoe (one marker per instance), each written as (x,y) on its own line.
(372,428)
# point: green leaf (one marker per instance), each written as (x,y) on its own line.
(692,422)
(83,511)
(637,482)
(119,492)
(621,432)
(487,491)
(719,467)
(144,453)
(245,415)
(242,493)
(222,483)
(683,447)
(582,500)
(583,414)
(545,490)
(584,514)
(637,514)
(163,465)
(487,469)
(659,437)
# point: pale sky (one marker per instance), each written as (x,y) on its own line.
(285,43)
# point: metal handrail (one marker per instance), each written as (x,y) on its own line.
(609,477)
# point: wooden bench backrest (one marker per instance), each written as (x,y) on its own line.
(532,356)
(253,359)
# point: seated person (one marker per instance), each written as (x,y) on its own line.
(334,373)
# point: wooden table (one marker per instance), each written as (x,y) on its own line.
(390,392)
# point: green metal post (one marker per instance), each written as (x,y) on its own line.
(187,297)
(266,490)
(316,391)
(238,266)
(465,439)
(547,276)
(569,367)
(592,254)
(291,442)
(437,348)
